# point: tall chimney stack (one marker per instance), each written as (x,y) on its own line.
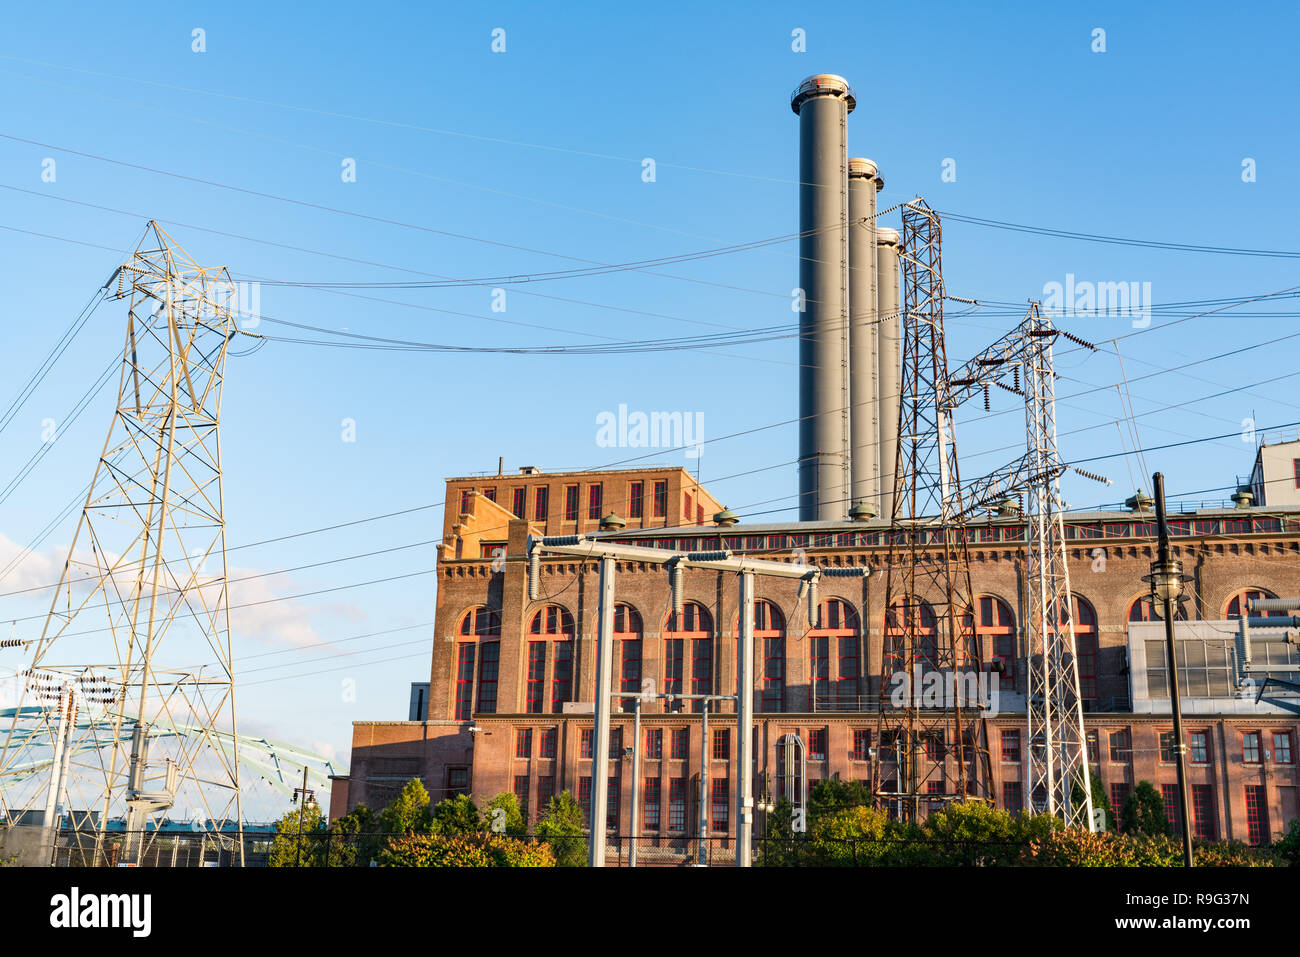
(864,422)
(890,364)
(823,103)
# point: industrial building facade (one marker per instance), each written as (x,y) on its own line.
(509,701)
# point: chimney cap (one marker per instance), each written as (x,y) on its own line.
(861,166)
(887,237)
(726,518)
(822,84)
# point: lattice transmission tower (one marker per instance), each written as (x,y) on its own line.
(930,724)
(138,633)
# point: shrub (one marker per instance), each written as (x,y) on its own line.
(472,850)
(560,826)
(1144,811)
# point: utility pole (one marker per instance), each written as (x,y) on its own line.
(1166,581)
(636,778)
(302,796)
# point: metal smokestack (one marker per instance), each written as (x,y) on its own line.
(864,422)
(890,364)
(823,104)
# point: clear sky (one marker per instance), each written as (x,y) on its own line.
(529,160)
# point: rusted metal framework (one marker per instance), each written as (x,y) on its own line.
(141,616)
(931,735)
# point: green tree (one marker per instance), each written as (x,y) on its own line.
(503,815)
(354,838)
(456,815)
(1099,798)
(288,849)
(1144,812)
(1287,846)
(409,812)
(561,827)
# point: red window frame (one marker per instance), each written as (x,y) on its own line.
(1168,747)
(650,805)
(836,620)
(570,503)
(686,507)
(934,747)
(769,628)
(518,501)
(595,498)
(720,816)
(996,629)
(679,744)
(696,626)
(627,632)
(521,793)
(523,742)
(535,687)
(1085,644)
(1251,747)
(1283,753)
(490,493)
(677,804)
(464,680)
(545,791)
(861,745)
(586,737)
(1012,797)
(817,744)
(1234,608)
(555,624)
(584,799)
(489,666)
(1295,465)
(549,739)
(1119,792)
(699,514)
(721,744)
(1011,745)
(1121,746)
(1199,752)
(465,495)
(541,503)
(635,499)
(913,612)
(673,666)
(661,498)
(1203,820)
(1173,810)
(1092,740)
(1257,814)
(654,744)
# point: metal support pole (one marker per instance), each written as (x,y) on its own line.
(50,824)
(302,806)
(745,724)
(1170,609)
(700,858)
(604,681)
(636,779)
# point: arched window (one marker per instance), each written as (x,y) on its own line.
(834,665)
(1085,644)
(693,636)
(913,613)
(1240,603)
(552,625)
(769,637)
(627,632)
(995,629)
(480,635)
(1140,610)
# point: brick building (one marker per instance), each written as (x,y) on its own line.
(511,685)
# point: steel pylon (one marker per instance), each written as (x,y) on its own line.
(139,626)
(929,726)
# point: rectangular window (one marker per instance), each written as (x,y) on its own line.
(722,744)
(490,493)
(611,803)
(517,498)
(686,508)
(545,791)
(934,788)
(1295,467)
(661,498)
(654,744)
(817,744)
(773,674)
(540,502)
(457,780)
(535,690)
(1118,795)
(1012,799)
(680,745)
(1200,747)
(521,792)
(562,676)
(1203,823)
(1011,746)
(1173,810)
(673,666)
(721,816)
(1257,814)
(934,747)
(848,681)
(819,667)
(650,803)
(584,799)
(465,495)
(861,745)
(523,742)
(699,514)
(701,669)
(1250,747)
(1094,749)
(1121,749)
(487,677)
(546,747)
(584,743)
(635,499)
(1281,747)
(570,503)
(594,500)
(630,671)
(1168,748)
(677,804)
(464,680)
(615,743)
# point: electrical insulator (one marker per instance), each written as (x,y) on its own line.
(812,603)
(675,584)
(1015,377)
(534,571)
(986,397)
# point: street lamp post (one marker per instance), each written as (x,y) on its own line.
(1166,580)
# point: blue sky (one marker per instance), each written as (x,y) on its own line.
(541,147)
